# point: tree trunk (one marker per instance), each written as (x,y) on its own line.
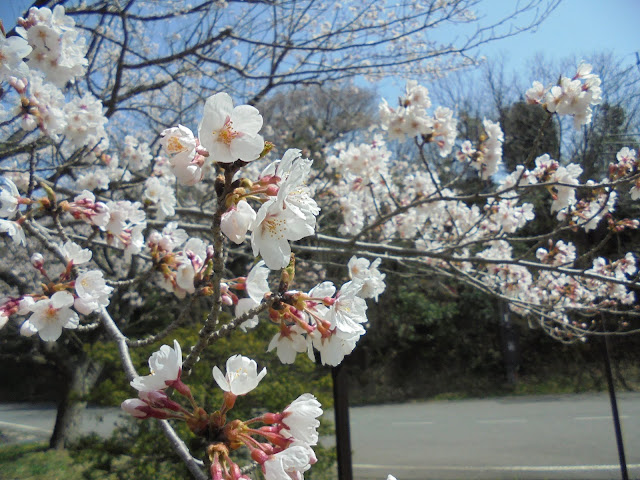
(82,376)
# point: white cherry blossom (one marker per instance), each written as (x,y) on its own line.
(257,282)
(236,221)
(12,52)
(51,315)
(159,192)
(14,230)
(165,366)
(8,198)
(272,229)
(230,133)
(288,342)
(58,50)
(242,375)
(301,419)
(367,274)
(242,307)
(93,292)
(288,464)
(135,407)
(75,253)
(348,313)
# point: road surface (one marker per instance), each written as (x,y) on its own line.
(547,437)
(524,438)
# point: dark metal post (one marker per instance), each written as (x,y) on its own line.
(614,410)
(341,409)
(510,347)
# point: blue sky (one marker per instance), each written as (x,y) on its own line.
(576,27)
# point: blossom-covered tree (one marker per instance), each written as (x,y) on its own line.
(112,197)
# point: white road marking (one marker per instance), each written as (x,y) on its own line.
(504,420)
(412,423)
(499,468)
(605,417)
(24,427)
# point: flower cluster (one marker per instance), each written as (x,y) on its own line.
(9,202)
(488,157)
(58,51)
(285,450)
(572,96)
(627,164)
(288,214)
(85,122)
(12,51)
(122,221)
(619,269)
(226,134)
(410,119)
(56,57)
(51,311)
(324,319)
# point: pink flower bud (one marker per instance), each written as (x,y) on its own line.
(259,456)
(200,150)
(236,473)
(136,407)
(216,470)
(28,123)
(20,85)
(271,418)
(227,300)
(37,260)
(159,399)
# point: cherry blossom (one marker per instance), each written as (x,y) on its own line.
(242,375)
(58,50)
(12,52)
(75,253)
(165,366)
(230,133)
(368,276)
(9,197)
(136,153)
(572,96)
(236,222)
(51,315)
(287,464)
(300,419)
(184,160)
(14,230)
(170,238)
(256,286)
(288,342)
(159,192)
(85,122)
(46,107)
(93,292)
(272,229)
(190,260)
(135,407)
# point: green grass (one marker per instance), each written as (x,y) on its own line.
(35,462)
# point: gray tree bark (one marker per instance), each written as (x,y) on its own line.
(83,374)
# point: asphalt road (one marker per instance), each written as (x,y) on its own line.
(524,438)
(548,437)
